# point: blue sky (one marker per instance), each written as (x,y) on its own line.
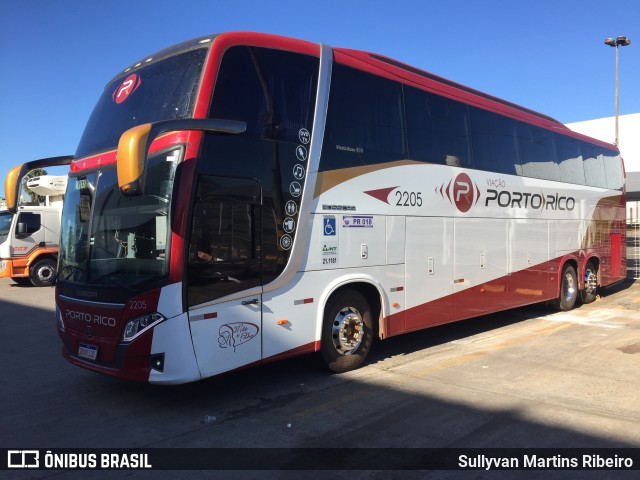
(57,55)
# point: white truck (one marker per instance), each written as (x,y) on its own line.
(29,237)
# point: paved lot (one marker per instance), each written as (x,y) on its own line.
(524,378)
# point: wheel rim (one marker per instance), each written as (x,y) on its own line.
(45,273)
(568,287)
(347,331)
(590,282)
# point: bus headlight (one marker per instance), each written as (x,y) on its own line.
(136,326)
(3,265)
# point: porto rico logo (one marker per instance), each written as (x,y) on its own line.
(461,192)
(126,88)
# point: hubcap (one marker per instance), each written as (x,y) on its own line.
(45,273)
(347,331)
(568,287)
(590,282)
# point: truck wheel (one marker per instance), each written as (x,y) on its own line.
(347,331)
(588,295)
(43,273)
(568,289)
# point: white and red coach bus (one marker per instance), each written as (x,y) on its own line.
(246,197)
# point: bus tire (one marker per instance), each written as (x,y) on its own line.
(43,273)
(568,289)
(347,331)
(588,294)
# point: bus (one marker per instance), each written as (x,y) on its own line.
(244,197)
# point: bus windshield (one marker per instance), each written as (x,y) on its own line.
(107,238)
(112,239)
(162,90)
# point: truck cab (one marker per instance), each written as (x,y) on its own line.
(29,238)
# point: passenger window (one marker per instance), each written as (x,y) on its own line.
(613,170)
(537,153)
(272,90)
(493,142)
(365,121)
(569,160)
(449,127)
(437,129)
(594,166)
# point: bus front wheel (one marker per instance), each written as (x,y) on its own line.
(347,331)
(568,289)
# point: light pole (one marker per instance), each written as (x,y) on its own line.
(618,42)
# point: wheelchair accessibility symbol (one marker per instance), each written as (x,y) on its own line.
(329,225)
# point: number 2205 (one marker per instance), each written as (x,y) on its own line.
(408,199)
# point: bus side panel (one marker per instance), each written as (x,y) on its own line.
(361,241)
(529,268)
(172,339)
(569,235)
(293,315)
(481,266)
(429,273)
(290,315)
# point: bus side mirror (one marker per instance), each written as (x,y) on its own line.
(132,150)
(12,187)
(134,144)
(12,182)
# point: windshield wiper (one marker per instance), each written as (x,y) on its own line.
(73,268)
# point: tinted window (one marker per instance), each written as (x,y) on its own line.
(569,158)
(164,90)
(537,153)
(594,166)
(273,91)
(438,131)
(493,142)
(613,170)
(365,120)
(225,248)
(31,222)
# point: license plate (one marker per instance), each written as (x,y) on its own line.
(87,351)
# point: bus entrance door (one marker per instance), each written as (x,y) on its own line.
(224,273)
(227,335)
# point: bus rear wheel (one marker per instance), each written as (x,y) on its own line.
(347,331)
(568,289)
(588,294)
(43,273)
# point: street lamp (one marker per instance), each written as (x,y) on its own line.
(618,42)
